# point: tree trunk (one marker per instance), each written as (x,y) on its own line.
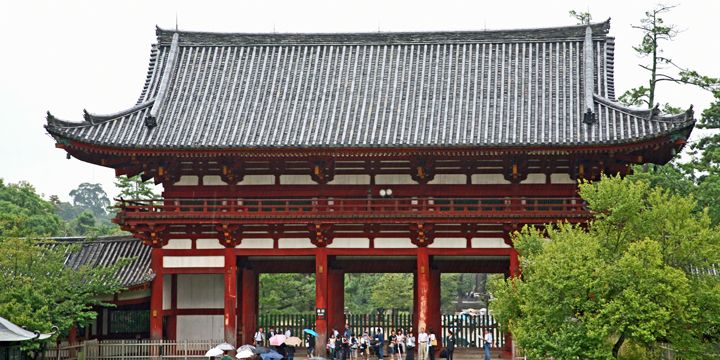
(618,344)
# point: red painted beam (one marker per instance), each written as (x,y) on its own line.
(336,299)
(331,252)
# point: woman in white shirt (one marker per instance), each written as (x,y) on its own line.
(410,346)
(400,339)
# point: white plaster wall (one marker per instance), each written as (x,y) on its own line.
(188,180)
(534,178)
(208,244)
(394,179)
(351,180)
(296,180)
(292,243)
(454,243)
(200,291)
(200,327)
(213,180)
(393,243)
(350,243)
(167,288)
(258,180)
(193,261)
(178,244)
(449,179)
(255,244)
(489,179)
(489,243)
(561,179)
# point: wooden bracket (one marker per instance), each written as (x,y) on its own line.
(422,235)
(229,235)
(422,170)
(323,170)
(321,235)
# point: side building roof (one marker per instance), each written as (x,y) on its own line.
(108,251)
(376,90)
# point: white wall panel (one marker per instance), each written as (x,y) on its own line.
(178,244)
(255,244)
(166,295)
(489,179)
(350,180)
(258,180)
(200,327)
(454,243)
(188,180)
(208,244)
(193,261)
(489,243)
(296,180)
(200,291)
(292,243)
(394,243)
(350,243)
(561,179)
(534,179)
(449,179)
(395,179)
(213,180)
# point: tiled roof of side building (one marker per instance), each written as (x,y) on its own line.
(453,89)
(108,251)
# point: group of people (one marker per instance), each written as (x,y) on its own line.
(401,344)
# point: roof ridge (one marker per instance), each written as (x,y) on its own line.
(600,30)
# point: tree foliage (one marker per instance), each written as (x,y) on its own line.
(637,274)
(287,293)
(40,292)
(134,188)
(23,212)
(91,197)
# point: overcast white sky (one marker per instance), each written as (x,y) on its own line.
(65,56)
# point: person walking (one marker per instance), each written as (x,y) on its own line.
(450,344)
(310,343)
(487,343)
(422,344)
(432,344)
(259,337)
(379,339)
(410,346)
(400,344)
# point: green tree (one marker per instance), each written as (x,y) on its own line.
(636,275)
(23,212)
(39,292)
(91,197)
(134,188)
(582,17)
(287,293)
(358,290)
(392,291)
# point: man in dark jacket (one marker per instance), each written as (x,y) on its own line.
(379,340)
(450,346)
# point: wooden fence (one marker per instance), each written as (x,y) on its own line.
(468,329)
(132,349)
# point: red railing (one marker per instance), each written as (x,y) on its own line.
(353,208)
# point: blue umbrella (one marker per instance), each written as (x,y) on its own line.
(310,331)
(272,354)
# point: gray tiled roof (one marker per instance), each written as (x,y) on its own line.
(107,251)
(477,89)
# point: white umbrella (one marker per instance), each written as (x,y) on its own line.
(213,352)
(225,347)
(247,347)
(245,353)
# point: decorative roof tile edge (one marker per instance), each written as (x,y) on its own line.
(91,119)
(200,38)
(686,117)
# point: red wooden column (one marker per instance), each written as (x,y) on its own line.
(415,304)
(321,300)
(249,304)
(434,313)
(156,297)
(513,271)
(230,322)
(423,289)
(336,299)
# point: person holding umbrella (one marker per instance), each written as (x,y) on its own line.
(310,342)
